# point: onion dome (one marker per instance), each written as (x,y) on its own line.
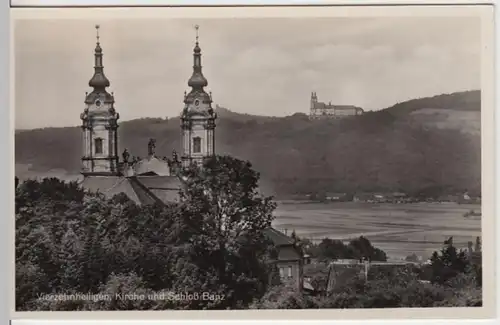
(197,80)
(99,80)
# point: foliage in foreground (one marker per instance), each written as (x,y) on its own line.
(394,291)
(330,249)
(70,242)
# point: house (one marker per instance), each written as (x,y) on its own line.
(364,197)
(346,261)
(338,197)
(447,198)
(339,274)
(288,259)
(399,197)
(308,287)
(307,259)
(342,272)
(380,197)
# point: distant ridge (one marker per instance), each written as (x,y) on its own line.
(419,144)
(460,101)
(223,112)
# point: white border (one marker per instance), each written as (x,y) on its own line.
(6,147)
(100,3)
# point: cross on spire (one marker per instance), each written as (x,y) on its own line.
(97,32)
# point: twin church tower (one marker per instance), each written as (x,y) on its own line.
(100,128)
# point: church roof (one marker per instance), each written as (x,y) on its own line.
(166,188)
(160,182)
(321,105)
(142,190)
(152,166)
(113,185)
(167,196)
(98,80)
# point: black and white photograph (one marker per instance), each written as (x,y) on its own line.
(215,163)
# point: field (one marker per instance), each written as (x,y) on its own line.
(398,229)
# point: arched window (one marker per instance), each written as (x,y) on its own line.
(98,145)
(196,144)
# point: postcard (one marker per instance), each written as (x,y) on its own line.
(228,162)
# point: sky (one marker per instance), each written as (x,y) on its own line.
(266,66)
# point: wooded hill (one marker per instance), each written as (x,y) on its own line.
(430,144)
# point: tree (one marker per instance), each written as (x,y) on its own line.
(68,240)
(447,264)
(412,258)
(362,248)
(283,296)
(225,217)
(70,270)
(477,247)
(332,249)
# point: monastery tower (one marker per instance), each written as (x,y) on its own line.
(99,124)
(198,117)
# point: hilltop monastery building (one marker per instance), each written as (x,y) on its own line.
(319,110)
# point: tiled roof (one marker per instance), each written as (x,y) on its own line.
(112,185)
(345,107)
(143,193)
(141,190)
(288,253)
(340,274)
(167,196)
(278,238)
(160,182)
(307,285)
(321,105)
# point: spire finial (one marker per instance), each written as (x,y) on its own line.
(99,80)
(97,32)
(197,27)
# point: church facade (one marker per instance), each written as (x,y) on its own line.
(152,179)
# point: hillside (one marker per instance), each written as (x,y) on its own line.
(411,146)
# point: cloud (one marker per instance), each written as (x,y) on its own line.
(258,66)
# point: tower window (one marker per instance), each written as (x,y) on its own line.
(98,145)
(197,145)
